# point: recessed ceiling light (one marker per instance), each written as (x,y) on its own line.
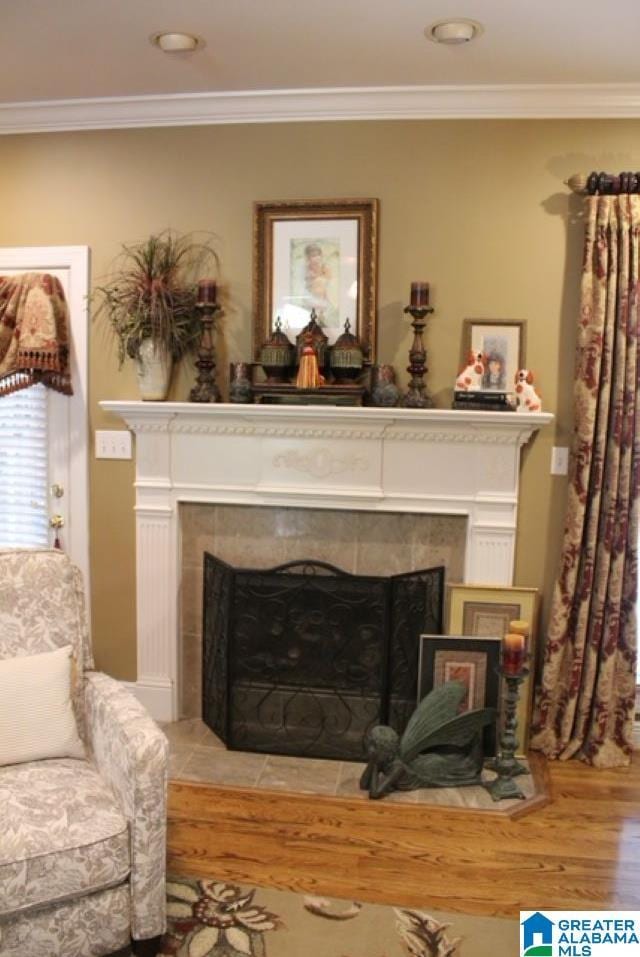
(176,42)
(453,32)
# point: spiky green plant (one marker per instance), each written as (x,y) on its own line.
(151,293)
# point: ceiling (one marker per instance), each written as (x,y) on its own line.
(95,49)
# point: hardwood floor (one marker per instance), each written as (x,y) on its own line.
(581,850)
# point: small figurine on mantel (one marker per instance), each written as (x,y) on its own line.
(308,372)
(319,341)
(527,398)
(471,376)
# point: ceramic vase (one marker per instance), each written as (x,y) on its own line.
(385,392)
(240,383)
(154,366)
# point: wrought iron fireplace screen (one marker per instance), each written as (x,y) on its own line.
(304,658)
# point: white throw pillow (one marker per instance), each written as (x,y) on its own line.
(36,715)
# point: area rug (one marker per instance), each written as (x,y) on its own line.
(209,918)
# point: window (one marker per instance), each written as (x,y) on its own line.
(24,469)
(49,429)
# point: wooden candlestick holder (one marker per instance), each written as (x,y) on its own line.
(205,389)
(417,396)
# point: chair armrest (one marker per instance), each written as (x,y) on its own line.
(131,754)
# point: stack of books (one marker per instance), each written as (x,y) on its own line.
(477,400)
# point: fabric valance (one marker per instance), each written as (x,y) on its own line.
(34,333)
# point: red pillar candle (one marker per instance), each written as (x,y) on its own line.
(513,653)
(419,294)
(207,292)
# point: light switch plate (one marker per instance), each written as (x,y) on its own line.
(113,444)
(559,460)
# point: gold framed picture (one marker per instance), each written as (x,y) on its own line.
(502,343)
(485,611)
(318,255)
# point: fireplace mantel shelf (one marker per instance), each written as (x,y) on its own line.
(195,417)
(437,461)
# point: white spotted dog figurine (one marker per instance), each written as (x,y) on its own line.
(527,398)
(471,375)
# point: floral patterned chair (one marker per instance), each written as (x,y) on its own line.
(82,841)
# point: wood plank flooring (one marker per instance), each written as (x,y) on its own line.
(581,850)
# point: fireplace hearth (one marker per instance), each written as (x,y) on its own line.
(302,659)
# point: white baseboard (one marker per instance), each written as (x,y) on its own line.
(156,696)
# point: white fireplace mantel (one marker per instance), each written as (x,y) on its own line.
(394,460)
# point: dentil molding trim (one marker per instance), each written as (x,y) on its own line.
(524,101)
(441,426)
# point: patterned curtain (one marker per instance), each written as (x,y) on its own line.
(585,705)
(34,333)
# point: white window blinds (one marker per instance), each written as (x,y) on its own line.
(24,476)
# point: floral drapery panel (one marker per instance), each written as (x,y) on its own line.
(34,333)
(585,705)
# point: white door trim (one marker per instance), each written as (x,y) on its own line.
(76,498)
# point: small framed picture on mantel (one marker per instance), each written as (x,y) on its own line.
(492,354)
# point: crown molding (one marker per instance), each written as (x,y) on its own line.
(534,101)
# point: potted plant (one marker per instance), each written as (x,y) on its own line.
(149,300)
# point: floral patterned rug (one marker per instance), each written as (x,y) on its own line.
(209,918)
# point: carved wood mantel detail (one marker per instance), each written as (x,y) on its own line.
(321,462)
(434,461)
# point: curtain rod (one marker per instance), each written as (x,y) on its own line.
(604,183)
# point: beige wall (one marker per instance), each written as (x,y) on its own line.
(478,209)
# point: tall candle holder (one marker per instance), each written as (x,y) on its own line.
(505,764)
(205,389)
(417,396)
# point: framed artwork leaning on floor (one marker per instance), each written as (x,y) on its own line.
(485,611)
(468,659)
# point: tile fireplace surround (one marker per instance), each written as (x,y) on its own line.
(435,462)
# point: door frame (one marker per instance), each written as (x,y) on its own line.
(70,410)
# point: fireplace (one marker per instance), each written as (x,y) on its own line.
(303,659)
(435,462)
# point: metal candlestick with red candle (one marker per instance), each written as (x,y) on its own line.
(513,670)
(205,389)
(417,396)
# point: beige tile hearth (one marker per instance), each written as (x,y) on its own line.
(185,735)
(305,775)
(196,754)
(218,766)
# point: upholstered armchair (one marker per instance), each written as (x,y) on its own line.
(82,838)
